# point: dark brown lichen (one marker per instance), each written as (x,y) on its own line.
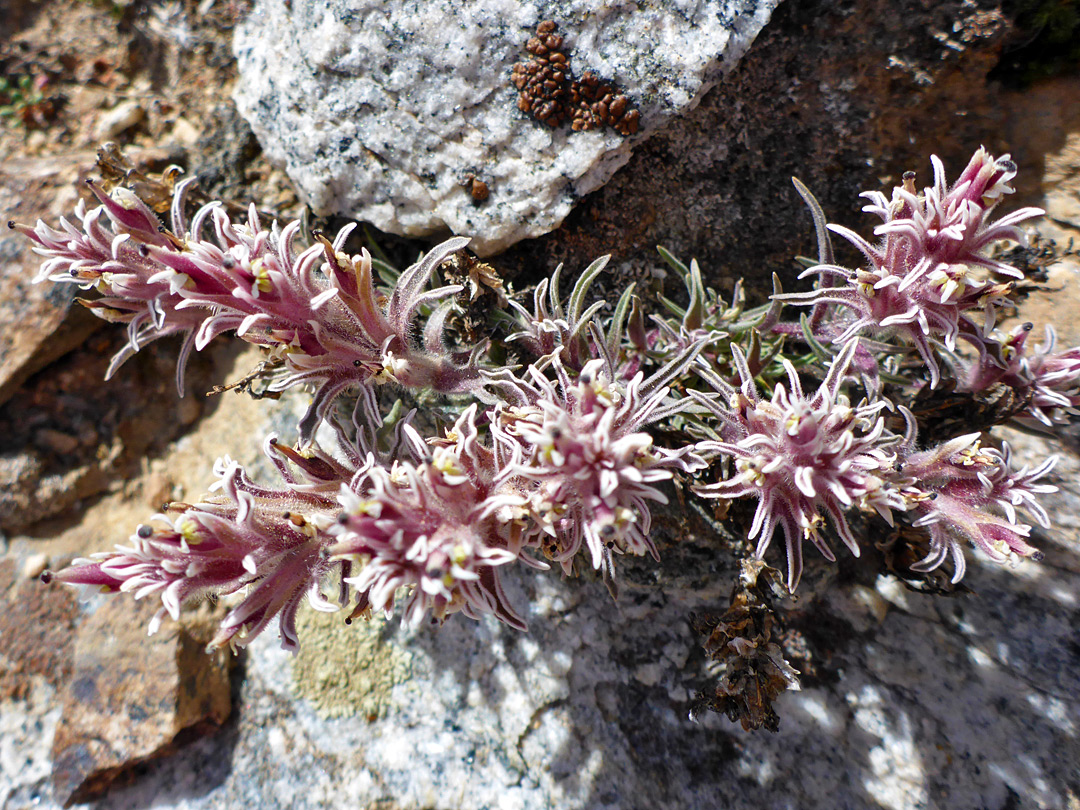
(549,92)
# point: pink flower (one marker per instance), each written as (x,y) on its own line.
(586,465)
(921,282)
(440,528)
(317,312)
(266,546)
(1047,381)
(965,493)
(805,458)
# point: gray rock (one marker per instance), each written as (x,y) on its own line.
(381,110)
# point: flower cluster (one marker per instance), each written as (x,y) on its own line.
(585,464)
(564,458)
(966,493)
(805,458)
(438,526)
(268,546)
(318,312)
(1047,382)
(923,280)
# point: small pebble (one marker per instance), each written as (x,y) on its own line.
(123,116)
(34,565)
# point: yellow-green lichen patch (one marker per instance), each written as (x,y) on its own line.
(346,670)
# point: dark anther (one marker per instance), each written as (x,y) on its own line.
(11,224)
(228,263)
(143,250)
(933,496)
(342,519)
(357,363)
(286,515)
(273,440)
(1028,326)
(73,273)
(585,379)
(1006,165)
(909,175)
(348,620)
(144,531)
(46,576)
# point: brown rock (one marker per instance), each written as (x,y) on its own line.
(158,488)
(37,627)
(130,697)
(47,325)
(66,435)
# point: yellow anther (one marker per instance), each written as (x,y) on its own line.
(189,530)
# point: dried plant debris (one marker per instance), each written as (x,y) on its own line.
(1034,258)
(742,640)
(550,93)
(155,189)
(482,291)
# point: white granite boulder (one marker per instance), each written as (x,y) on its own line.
(383,109)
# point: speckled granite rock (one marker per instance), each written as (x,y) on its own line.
(379,110)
